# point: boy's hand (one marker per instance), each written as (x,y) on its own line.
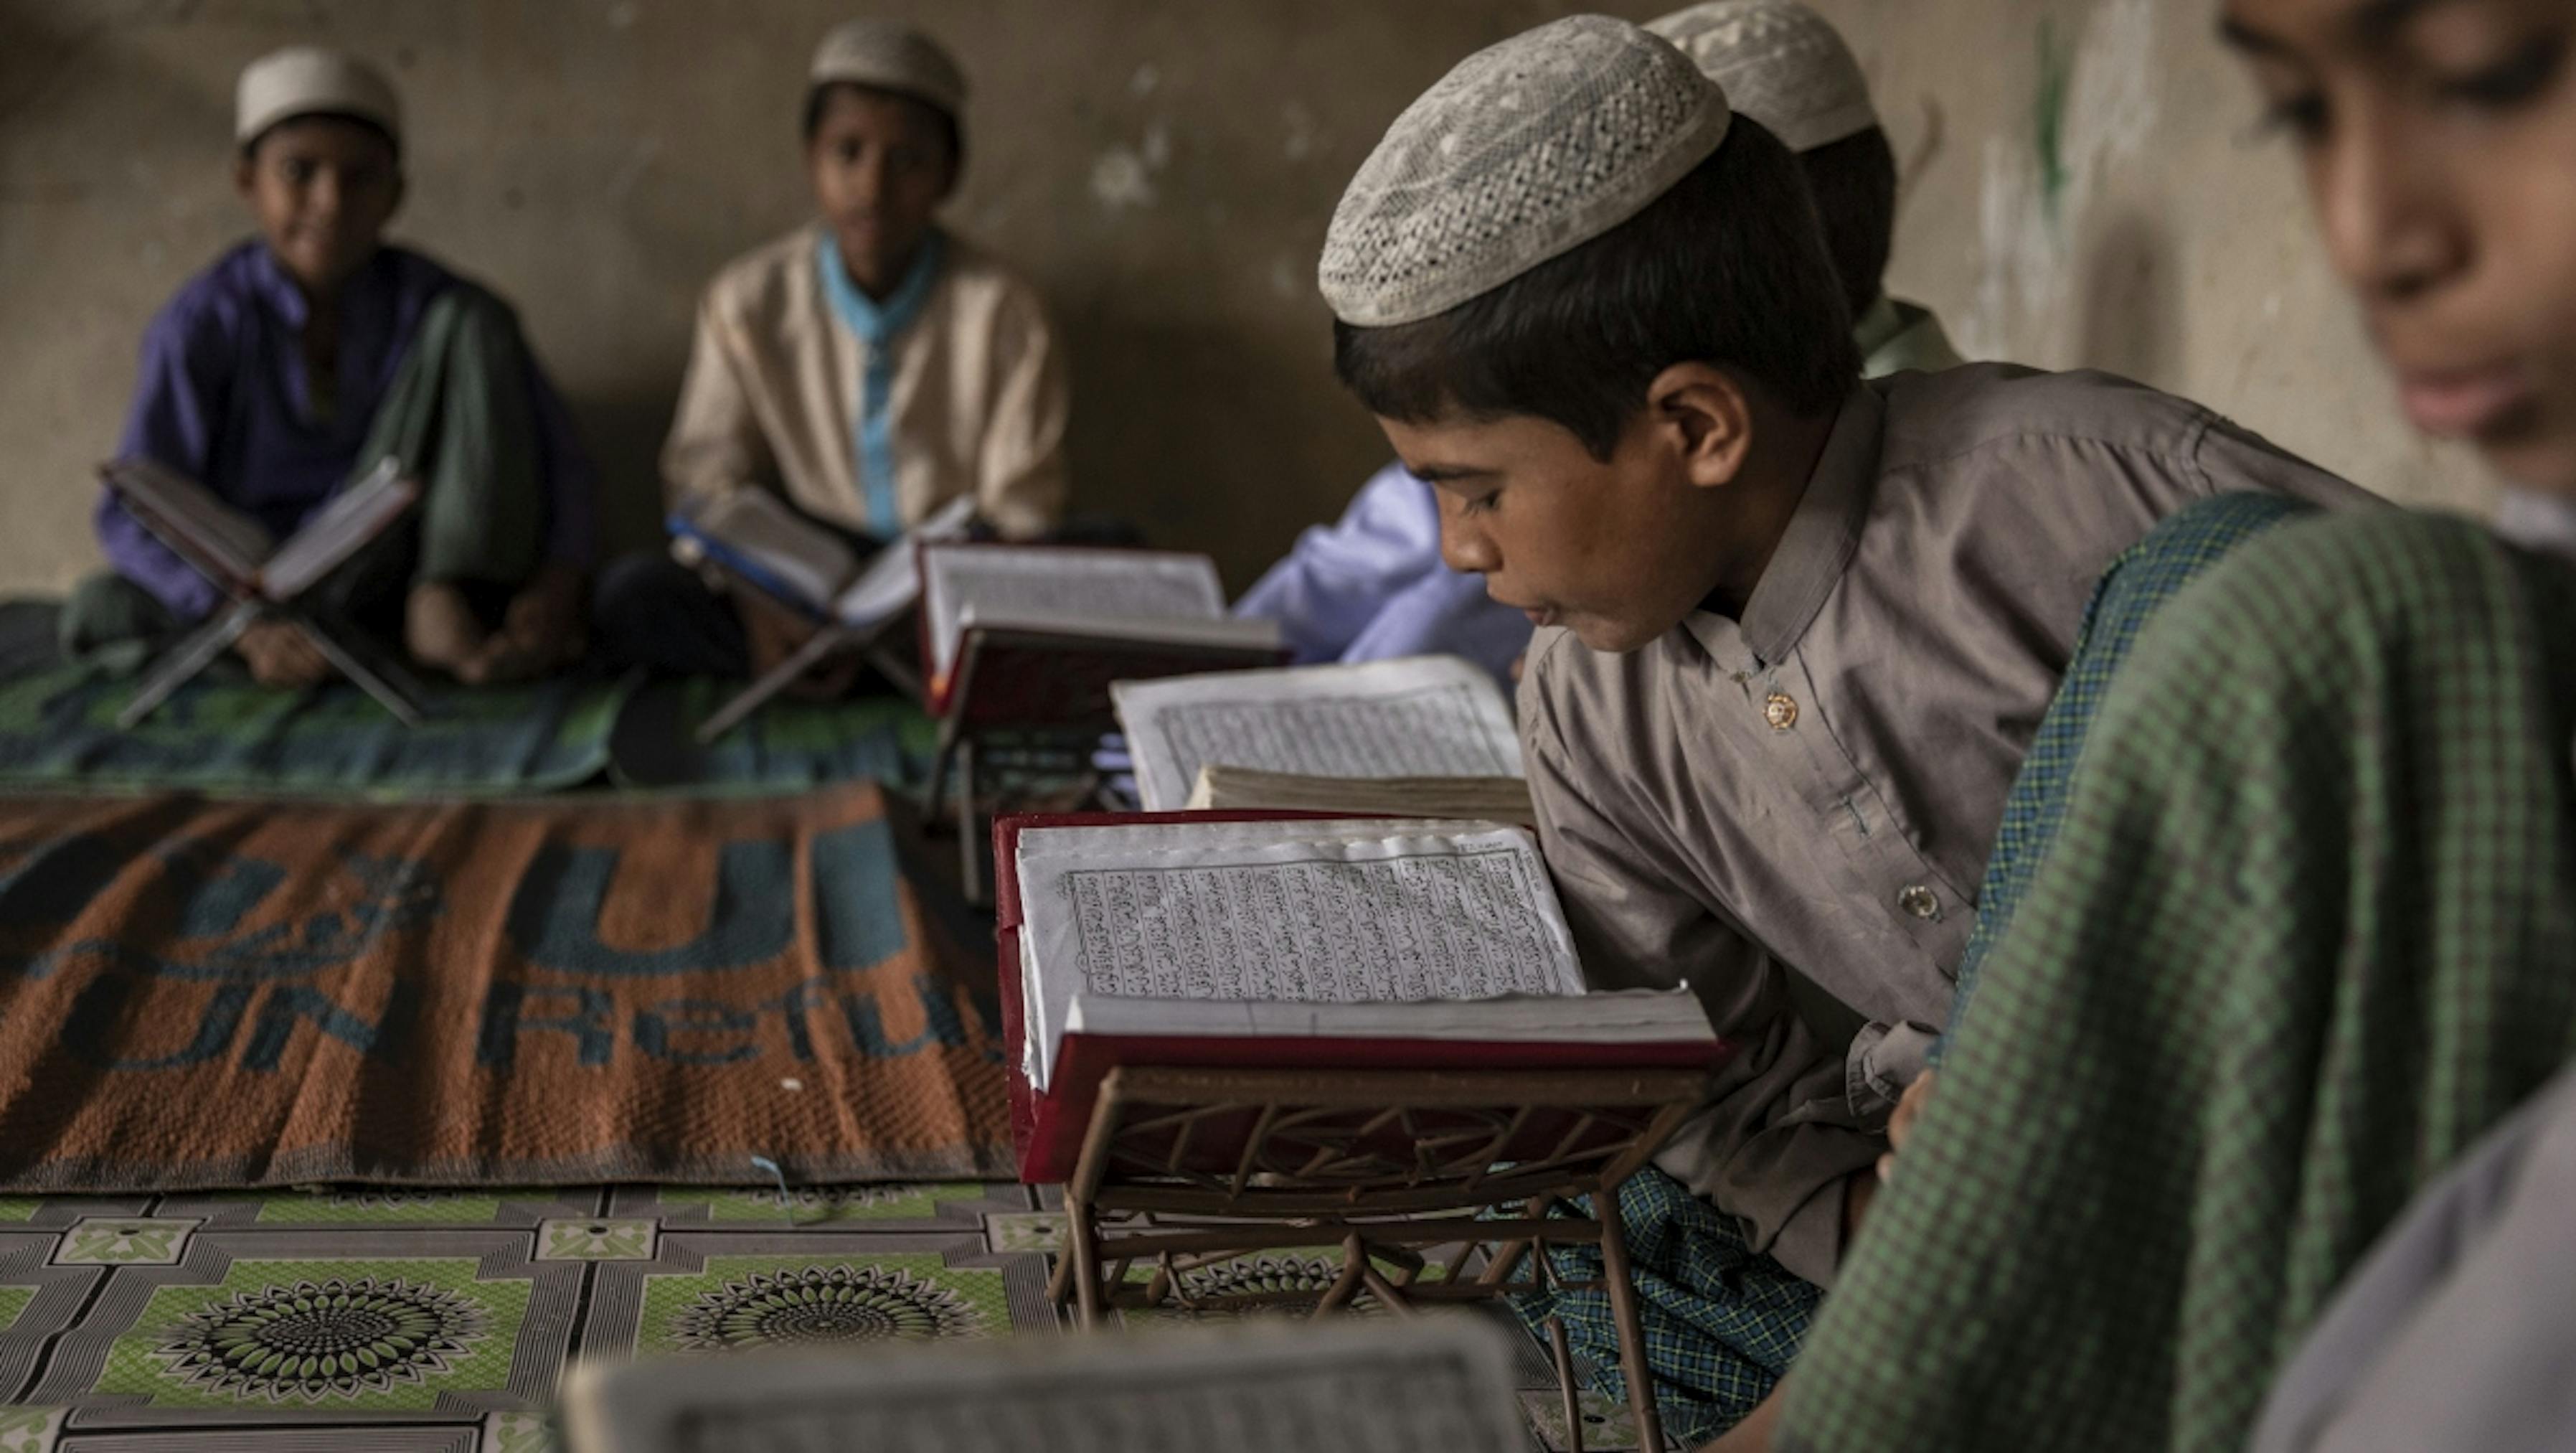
(1900,1124)
(775,633)
(279,655)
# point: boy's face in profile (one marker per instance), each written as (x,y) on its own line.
(2440,147)
(322,189)
(1617,551)
(881,165)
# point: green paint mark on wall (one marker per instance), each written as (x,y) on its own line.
(2048,120)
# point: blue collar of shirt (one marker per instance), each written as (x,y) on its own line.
(877,323)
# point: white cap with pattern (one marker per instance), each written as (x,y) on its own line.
(1525,151)
(311,80)
(1780,63)
(891,56)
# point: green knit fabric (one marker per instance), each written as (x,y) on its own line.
(2305,932)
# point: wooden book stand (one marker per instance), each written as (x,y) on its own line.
(1437,1186)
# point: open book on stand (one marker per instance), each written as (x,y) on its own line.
(756,538)
(1034,634)
(1283,941)
(264,578)
(1426,716)
(237,552)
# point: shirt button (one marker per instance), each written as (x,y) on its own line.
(1780,710)
(1920,901)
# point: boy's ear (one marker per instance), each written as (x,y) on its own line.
(1710,418)
(245,170)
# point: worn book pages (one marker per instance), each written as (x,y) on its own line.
(1347,1386)
(339,530)
(1115,593)
(1316,913)
(225,544)
(1621,1016)
(1240,789)
(1427,716)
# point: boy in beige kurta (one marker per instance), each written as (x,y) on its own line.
(868,368)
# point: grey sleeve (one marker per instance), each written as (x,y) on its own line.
(2235,460)
(2459,1329)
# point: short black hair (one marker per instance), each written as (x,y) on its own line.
(393,143)
(1727,267)
(1854,182)
(820,96)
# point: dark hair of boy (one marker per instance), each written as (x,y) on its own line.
(250,148)
(818,97)
(1728,267)
(1854,183)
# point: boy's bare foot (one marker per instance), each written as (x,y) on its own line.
(829,679)
(279,655)
(544,622)
(440,629)
(503,661)
(774,634)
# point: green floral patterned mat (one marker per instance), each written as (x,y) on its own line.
(419,1321)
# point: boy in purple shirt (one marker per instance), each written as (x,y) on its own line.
(299,359)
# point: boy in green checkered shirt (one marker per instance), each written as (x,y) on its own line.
(2303,931)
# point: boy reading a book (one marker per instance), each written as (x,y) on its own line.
(1794,629)
(869,367)
(303,358)
(1372,586)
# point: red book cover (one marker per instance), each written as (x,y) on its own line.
(1047,1130)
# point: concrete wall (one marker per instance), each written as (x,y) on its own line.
(1164,170)
(2086,184)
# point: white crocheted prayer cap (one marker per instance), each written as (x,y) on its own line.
(1525,151)
(1779,63)
(891,56)
(310,80)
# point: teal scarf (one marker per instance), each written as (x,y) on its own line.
(878,325)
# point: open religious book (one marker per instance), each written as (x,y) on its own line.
(755,537)
(1283,942)
(1496,799)
(1348,1386)
(237,552)
(1427,716)
(1070,619)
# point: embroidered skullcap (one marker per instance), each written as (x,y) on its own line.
(1525,151)
(1779,63)
(891,56)
(309,80)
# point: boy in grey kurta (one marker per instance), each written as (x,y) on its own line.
(1810,780)
(1795,630)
